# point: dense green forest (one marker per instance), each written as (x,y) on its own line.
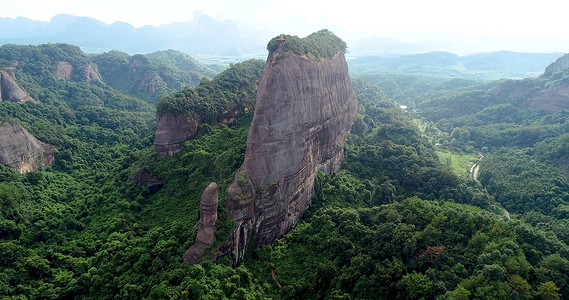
(233,89)
(393,223)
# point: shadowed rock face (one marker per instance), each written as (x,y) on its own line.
(22,151)
(171,131)
(145,178)
(206,231)
(9,90)
(304,111)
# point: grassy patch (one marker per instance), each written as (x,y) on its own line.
(459,162)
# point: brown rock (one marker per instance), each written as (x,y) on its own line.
(91,74)
(171,131)
(552,99)
(304,111)
(64,70)
(9,90)
(22,151)
(206,231)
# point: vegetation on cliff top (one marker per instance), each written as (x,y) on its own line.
(212,97)
(320,44)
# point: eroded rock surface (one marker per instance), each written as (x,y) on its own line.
(10,91)
(91,74)
(64,70)
(171,131)
(206,231)
(22,151)
(304,111)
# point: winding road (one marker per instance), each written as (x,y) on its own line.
(474,170)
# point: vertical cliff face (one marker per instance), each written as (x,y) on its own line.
(304,111)
(9,90)
(22,151)
(172,130)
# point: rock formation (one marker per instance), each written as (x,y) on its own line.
(21,150)
(91,74)
(219,101)
(206,231)
(171,131)
(9,90)
(144,178)
(305,108)
(64,70)
(560,65)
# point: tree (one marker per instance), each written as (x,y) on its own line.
(548,291)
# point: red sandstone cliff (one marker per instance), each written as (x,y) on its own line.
(304,111)
(22,151)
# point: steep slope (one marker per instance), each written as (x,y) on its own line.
(218,101)
(22,151)
(304,111)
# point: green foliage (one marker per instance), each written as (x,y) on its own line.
(152,76)
(233,89)
(320,44)
(522,184)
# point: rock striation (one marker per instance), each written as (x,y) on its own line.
(22,151)
(9,90)
(304,110)
(206,231)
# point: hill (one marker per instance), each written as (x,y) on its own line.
(150,76)
(393,222)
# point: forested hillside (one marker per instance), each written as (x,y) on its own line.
(150,76)
(393,223)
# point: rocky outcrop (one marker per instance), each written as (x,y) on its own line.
(304,111)
(220,101)
(172,130)
(64,70)
(560,65)
(21,150)
(144,178)
(91,74)
(552,99)
(206,231)
(10,91)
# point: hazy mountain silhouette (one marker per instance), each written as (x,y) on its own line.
(202,35)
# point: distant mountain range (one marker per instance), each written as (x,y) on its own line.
(477,66)
(202,35)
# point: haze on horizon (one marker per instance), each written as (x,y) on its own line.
(461,27)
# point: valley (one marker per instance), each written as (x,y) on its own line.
(294,177)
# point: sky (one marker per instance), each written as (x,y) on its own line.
(462,26)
